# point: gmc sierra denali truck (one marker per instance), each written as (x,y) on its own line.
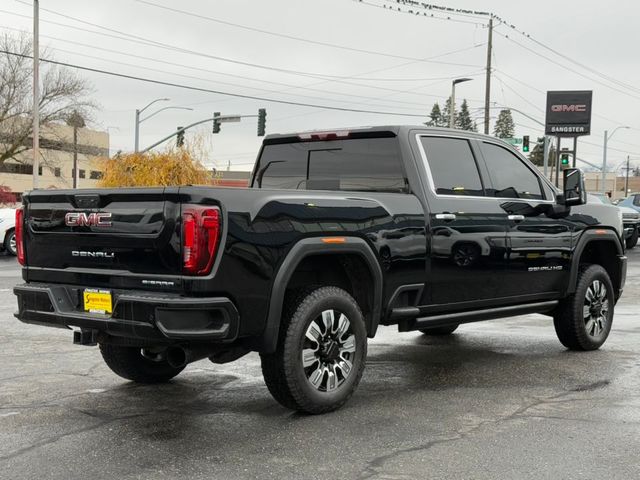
(338,233)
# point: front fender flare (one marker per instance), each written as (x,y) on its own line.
(592,235)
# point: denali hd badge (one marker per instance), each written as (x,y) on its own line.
(81,219)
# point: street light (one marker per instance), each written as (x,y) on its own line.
(138,112)
(162,110)
(607,137)
(452,113)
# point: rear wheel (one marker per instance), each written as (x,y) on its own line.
(10,243)
(321,351)
(137,364)
(448,330)
(583,320)
(633,239)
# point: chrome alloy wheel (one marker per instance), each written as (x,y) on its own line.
(328,351)
(596,308)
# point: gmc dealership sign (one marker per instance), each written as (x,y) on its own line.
(568,113)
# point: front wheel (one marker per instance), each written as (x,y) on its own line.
(321,351)
(138,365)
(583,320)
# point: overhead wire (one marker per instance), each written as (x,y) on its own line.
(203,70)
(208,90)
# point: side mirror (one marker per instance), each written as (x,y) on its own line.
(575,192)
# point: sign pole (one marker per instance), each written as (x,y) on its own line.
(546,155)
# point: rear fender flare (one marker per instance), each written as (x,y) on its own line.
(313,246)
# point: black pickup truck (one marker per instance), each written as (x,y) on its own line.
(339,232)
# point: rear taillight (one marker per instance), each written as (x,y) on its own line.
(20,235)
(201,228)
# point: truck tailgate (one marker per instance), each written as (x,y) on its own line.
(107,234)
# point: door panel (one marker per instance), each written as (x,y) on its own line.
(538,245)
(466,234)
(466,253)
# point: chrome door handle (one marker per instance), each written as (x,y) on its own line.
(516,218)
(447,217)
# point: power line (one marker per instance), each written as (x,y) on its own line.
(276,34)
(217,92)
(209,71)
(153,43)
(371,52)
(430,15)
(567,67)
(528,102)
(501,21)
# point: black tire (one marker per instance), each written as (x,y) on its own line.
(288,380)
(129,363)
(448,330)
(10,243)
(577,328)
(632,241)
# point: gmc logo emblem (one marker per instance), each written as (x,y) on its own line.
(568,108)
(81,219)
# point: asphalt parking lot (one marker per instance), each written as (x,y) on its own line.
(500,399)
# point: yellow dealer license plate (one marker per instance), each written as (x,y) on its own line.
(97,301)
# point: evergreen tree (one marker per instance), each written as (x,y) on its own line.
(505,128)
(446,114)
(463,120)
(435,117)
(537,155)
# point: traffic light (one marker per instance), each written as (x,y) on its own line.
(262,121)
(525,143)
(180,137)
(216,123)
(564,159)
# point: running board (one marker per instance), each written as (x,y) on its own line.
(475,315)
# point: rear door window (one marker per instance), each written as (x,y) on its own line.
(452,165)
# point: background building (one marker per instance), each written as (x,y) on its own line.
(56,165)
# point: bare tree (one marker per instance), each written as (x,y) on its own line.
(62,93)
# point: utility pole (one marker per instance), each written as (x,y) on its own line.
(36,92)
(487,93)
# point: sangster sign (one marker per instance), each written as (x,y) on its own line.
(569,113)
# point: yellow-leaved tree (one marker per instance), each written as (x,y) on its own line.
(171,167)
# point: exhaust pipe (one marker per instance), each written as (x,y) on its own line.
(180,356)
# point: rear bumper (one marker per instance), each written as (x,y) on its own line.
(143,316)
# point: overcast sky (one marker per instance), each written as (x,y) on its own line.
(599,35)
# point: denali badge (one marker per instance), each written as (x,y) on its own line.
(81,219)
(80,253)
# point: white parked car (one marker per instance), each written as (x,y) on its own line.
(7,230)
